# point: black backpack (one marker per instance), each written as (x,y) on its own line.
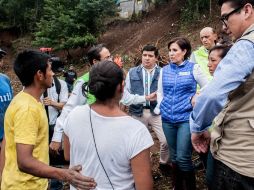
(58,91)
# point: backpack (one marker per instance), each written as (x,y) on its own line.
(58,87)
(58,90)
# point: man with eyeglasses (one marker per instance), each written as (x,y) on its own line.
(95,54)
(232,143)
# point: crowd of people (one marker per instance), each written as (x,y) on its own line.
(77,131)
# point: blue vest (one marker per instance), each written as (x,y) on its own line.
(179,85)
(5,99)
(137,87)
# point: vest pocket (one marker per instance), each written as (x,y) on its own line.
(251,122)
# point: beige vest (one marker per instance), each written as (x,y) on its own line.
(232,140)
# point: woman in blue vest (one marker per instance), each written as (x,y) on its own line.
(176,86)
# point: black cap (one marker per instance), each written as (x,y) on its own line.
(2,53)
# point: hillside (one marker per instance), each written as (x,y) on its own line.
(125,37)
(157,27)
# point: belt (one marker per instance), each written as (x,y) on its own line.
(146,107)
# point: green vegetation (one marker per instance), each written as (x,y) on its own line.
(60,24)
(193,9)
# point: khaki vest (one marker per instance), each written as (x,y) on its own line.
(232,140)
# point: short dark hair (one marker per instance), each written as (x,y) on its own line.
(236,3)
(28,63)
(94,53)
(183,43)
(104,78)
(150,47)
(223,48)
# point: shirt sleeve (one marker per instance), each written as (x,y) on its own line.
(159,94)
(64,92)
(76,98)
(199,76)
(140,141)
(128,98)
(230,73)
(26,126)
(192,58)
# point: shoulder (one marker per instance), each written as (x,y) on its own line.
(243,43)
(133,125)
(26,103)
(166,67)
(84,78)
(79,109)
(62,82)
(4,77)
(133,69)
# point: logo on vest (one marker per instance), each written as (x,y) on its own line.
(6,97)
(184,73)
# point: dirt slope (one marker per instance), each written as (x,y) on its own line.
(160,24)
(158,27)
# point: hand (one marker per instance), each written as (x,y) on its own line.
(80,182)
(47,101)
(201,141)
(55,146)
(193,99)
(152,96)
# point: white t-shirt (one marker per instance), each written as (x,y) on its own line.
(118,140)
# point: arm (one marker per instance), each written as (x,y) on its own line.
(49,102)
(141,169)
(63,97)
(28,164)
(192,58)
(159,94)
(75,99)
(66,148)
(230,73)
(129,98)
(199,76)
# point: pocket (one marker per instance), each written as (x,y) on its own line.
(251,122)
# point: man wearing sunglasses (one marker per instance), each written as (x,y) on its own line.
(232,143)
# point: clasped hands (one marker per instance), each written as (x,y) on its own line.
(151,97)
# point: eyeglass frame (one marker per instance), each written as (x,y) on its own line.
(225,17)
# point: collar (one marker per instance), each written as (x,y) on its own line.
(155,67)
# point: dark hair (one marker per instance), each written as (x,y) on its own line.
(94,53)
(104,78)
(150,47)
(236,3)
(28,63)
(223,48)
(183,43)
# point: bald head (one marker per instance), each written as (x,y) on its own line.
(208,37)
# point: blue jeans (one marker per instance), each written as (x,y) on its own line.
(179,141)
(227,179)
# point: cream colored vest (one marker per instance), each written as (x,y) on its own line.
(232,140)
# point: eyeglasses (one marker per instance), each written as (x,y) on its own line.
(225,17)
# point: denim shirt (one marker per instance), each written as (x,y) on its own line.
(232,71)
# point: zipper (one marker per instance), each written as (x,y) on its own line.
(174,94)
